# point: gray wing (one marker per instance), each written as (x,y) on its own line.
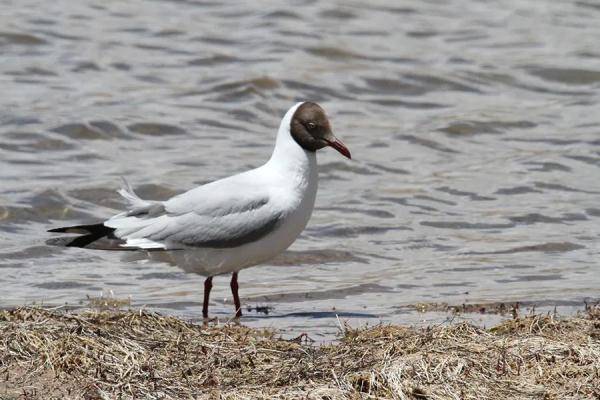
(221,214)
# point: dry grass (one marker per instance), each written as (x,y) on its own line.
(113,355)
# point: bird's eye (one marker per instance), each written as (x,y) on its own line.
(311,125)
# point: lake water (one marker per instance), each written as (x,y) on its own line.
(474,127)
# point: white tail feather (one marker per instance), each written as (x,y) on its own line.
(133,199)
(137,205)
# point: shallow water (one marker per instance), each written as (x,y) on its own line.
(474,128)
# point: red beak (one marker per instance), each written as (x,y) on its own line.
(339,146)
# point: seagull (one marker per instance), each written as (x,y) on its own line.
(230,224)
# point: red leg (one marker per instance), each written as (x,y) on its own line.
(236,297)
(207,287)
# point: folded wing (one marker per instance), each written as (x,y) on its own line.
(222,214)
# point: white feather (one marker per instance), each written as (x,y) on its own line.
(132,198)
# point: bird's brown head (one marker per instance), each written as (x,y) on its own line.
(311,129)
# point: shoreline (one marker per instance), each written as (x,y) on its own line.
(140,354)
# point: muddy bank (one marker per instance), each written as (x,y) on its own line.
(137,354)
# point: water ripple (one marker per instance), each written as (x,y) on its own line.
(473,128)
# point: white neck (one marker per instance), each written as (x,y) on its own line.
(288,154)
(295,173)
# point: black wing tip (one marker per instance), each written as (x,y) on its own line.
(58,230)
(89,234)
